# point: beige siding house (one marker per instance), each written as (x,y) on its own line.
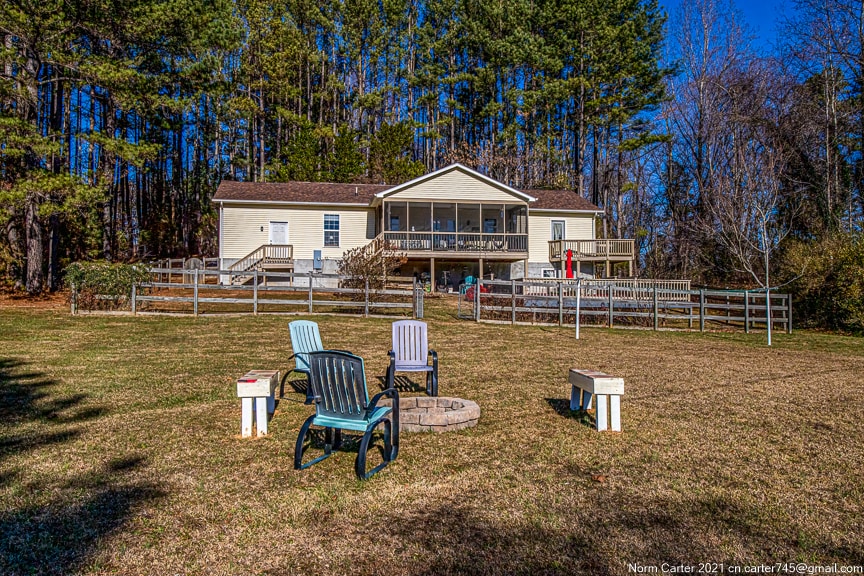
(449,224)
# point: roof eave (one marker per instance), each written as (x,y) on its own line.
(290,203)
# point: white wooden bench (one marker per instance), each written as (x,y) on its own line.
(257,385)
(587,383)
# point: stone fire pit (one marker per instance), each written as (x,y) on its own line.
(436,414)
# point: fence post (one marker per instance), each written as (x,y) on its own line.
(255,292)
(195,294)
(578,304)
(560,304)
(420,296)
(477,299)
(134,298)
(655,307)
(309,277)
(689,309)
(789,313)
(366,299)
(746,311)
(414,297)
(512,301)
(702,310)
(611,289)
(74,300)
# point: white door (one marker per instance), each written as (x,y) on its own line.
(557,229)
(278,233)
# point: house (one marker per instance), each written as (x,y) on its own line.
(450,223)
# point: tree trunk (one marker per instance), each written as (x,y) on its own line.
(33,232)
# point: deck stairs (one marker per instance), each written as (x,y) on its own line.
(266,257)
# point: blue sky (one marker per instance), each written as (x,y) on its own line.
(761,15)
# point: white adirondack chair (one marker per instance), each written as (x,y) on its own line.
(410,353)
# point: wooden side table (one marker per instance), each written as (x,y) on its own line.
(257,385)
(585,383)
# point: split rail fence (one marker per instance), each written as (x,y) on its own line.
(266,292)
(649,304)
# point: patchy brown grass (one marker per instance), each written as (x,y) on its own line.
(120,453)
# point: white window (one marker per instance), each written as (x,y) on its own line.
(557,229)
(549,273)
(331,230)
(278,233)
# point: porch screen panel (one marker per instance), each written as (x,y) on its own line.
(396,216)
(493,218)
(517,219)
(469,218)
(444,217)
(420,216)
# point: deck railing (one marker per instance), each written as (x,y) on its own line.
(603,249)
(456,242)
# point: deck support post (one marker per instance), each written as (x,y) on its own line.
(629,268)
(432,273)
(480,272)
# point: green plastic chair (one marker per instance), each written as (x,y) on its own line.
(338,383)
(305,338)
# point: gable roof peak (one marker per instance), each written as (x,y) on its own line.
(449,168)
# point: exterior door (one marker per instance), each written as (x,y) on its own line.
(278,233)
(557,229)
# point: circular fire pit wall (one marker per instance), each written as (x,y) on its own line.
(436,414)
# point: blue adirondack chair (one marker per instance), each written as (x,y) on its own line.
(410,353)
(305,338)
(338,383)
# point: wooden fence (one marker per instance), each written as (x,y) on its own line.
(267,292)
(660,306)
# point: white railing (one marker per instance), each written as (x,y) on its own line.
(625,289)
(602,249)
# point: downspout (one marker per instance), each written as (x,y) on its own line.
(221,227)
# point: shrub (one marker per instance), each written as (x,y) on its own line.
(830,291)
(373,262)
(103,285)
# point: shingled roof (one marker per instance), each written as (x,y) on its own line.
(362,194)
(298,192)
(560,200)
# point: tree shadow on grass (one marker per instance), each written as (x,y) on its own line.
(63,535)
(26,397)
(600,538)
(60,535)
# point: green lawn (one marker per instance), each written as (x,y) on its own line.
(120,453)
